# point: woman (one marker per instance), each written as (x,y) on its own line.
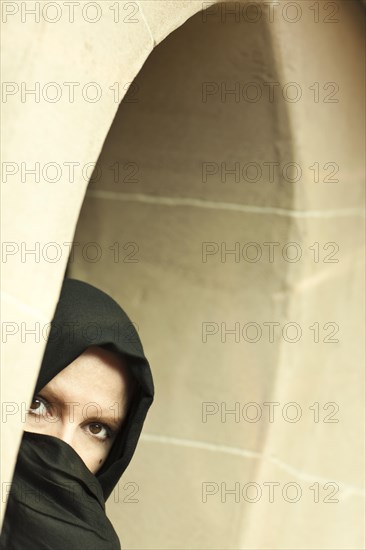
(90,402)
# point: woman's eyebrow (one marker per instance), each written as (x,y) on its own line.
(106,416)
(110,419)
(49,394)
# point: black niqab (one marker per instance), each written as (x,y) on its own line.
(55,502)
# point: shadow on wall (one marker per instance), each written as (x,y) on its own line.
(204,124)
(187,166)
(208,94)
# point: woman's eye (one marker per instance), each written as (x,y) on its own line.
(100,431)
(38,407)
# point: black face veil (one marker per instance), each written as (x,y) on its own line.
(55,502)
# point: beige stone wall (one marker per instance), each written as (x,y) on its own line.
(59,52)
(159,192)
(161,204)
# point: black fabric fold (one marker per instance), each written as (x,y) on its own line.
(55,501)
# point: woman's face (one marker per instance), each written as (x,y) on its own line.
(84,405)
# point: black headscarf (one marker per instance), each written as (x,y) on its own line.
(55,502)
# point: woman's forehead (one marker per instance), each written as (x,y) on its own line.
(97,374)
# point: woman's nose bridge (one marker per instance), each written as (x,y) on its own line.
(65,426)
(66,431)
